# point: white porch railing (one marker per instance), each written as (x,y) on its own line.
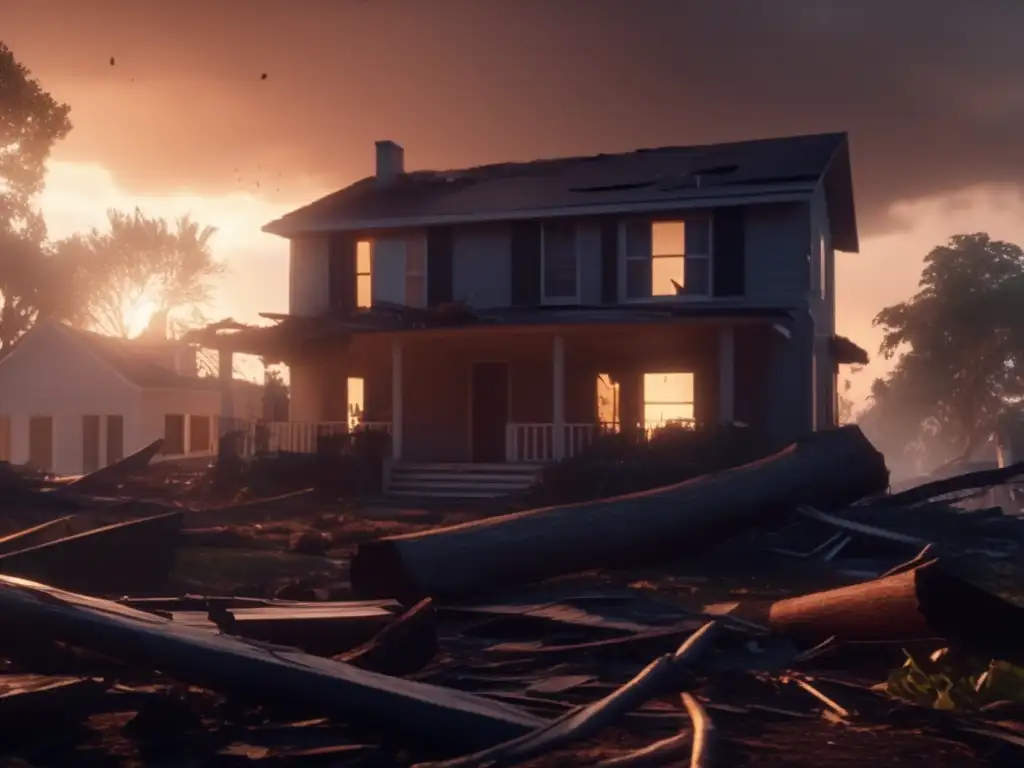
(534,443)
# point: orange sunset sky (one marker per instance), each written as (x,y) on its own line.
(184,123)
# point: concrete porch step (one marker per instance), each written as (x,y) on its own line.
(460,481)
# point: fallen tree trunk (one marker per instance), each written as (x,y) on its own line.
(401,710)
(922,603)
(828,469)
(119,470)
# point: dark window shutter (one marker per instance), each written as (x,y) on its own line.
(439,266)
(610,261)
(526,263)
(729,256)
(341,272)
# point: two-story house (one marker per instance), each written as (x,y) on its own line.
(610,292)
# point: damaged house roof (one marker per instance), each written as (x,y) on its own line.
(669,177)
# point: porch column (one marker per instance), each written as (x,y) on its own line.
(396,399)
(558,399)
(726,374)
(225,373)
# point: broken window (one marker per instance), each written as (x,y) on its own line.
(668,399)
(416,272)
(364,268)
(668,258)
(560,267)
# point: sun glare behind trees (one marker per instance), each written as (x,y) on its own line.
(139,266)
(112,281)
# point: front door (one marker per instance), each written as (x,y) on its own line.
(489,411)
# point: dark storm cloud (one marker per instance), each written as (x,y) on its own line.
(932,91)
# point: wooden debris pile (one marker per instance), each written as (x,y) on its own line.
(749,617)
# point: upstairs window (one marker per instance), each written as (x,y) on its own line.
(364,269)
(559,263)
(416,272)
(668,258)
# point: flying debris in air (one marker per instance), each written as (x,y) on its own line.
(112,62)
(263,76)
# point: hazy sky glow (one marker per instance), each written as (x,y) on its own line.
(932,94)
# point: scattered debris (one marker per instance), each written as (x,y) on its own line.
(767,614)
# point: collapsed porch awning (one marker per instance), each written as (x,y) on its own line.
(291,332)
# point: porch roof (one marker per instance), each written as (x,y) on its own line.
(294,331)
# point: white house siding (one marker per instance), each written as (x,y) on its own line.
(777,241)
(50,375)
(307,276)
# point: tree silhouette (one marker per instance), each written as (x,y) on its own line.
(31,122)
(275,396)
(141,266)
(960,347)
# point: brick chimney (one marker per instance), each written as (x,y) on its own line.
(390,162)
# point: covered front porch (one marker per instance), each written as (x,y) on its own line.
(501,395)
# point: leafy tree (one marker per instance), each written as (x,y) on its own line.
(141,264)
(960,347)
(275,396)
(31,122)
(846,403)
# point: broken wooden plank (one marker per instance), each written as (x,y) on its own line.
(234,602)
(324,629)
(133,555)
(581,724)
(702,755)
(248,512)
(861,528)
(922,603)
(828,469)
(119,470)
(647,643)
(404,646)
(29,701)
(404,710)
(963,482)
(664,752)
(38,534)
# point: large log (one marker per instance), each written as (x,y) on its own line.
(403,711)
(828,469)
(922,603)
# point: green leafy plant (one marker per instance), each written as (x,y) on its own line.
(950,681)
